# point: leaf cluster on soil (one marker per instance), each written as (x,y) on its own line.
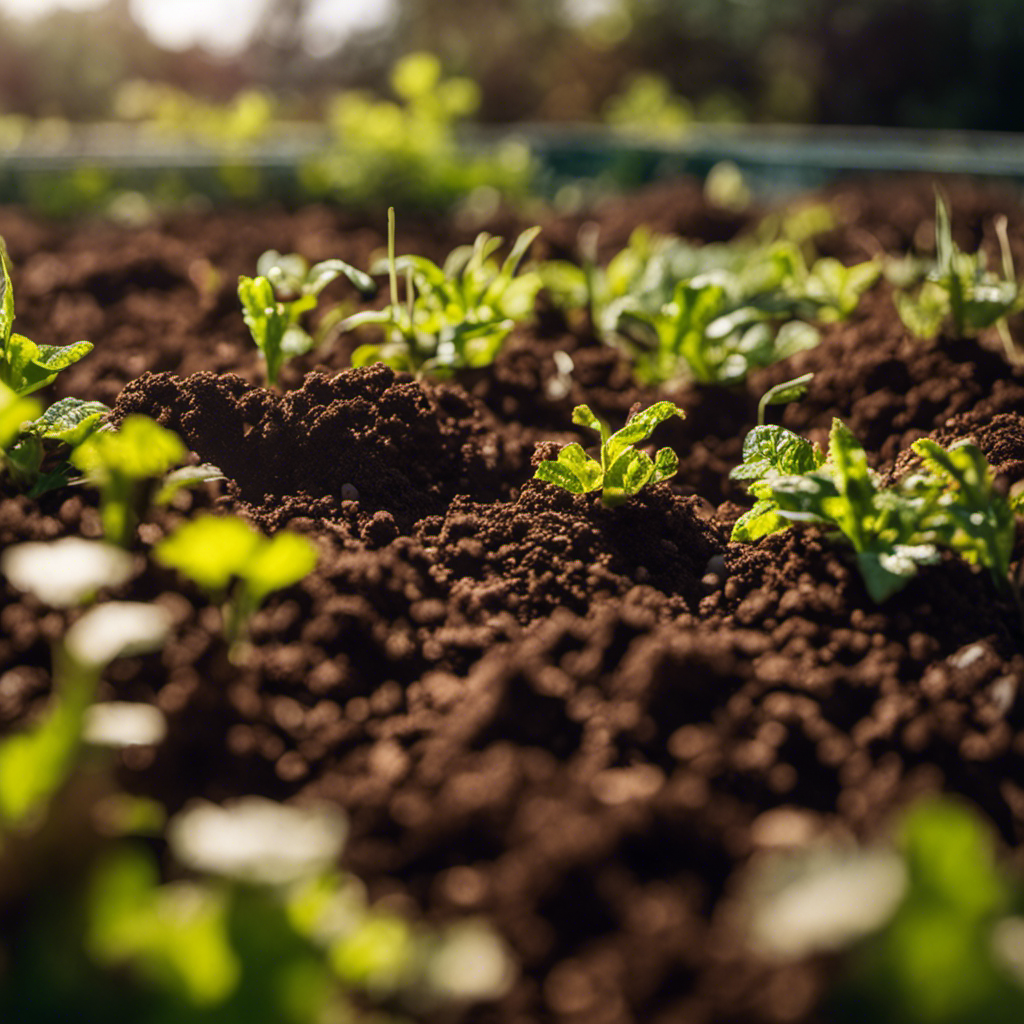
(578,722)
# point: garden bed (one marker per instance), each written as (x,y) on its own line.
(578,723)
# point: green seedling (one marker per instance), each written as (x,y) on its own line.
(131,468)
(622,470)
(25,366)
(752,311)
(923,930)
(455,317)
(37,462)
(274,301)
(236,565)
(782,394)
(958,289)
(972,517)
(770,452)
(894,531)
(297,286)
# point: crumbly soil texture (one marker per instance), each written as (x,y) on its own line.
(580,724)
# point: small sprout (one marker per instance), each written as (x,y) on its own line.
(974,519)
(455,317)
(252,839)
(784,393)
(36,762)
(268,320)
(958,288)
(273,316)
(118,723)
(622,470)
(129,466)
(234,563)
(68,572)
(894,531)
(25,366)
(35,463)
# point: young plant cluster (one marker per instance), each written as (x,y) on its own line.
(951,503)
(708,313)
(957,291)
(456,316)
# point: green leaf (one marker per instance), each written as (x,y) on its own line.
(70,420)
(666,464)
(849,462)
(973,518)
(775,451)
(140,450)
(582,416)
(640,427)
(566,282)
(177,935)
(267,320)
(210,550)
(782,394)
(186,476)
(630,471)
(14,413)
(278,563)
(887,572)
(36,762)
(923,315)
(365,355)
(760,521)
(321,274)
(574,470)
(6,302)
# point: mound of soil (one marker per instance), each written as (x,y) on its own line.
(579,723)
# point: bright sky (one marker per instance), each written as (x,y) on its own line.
(225,25)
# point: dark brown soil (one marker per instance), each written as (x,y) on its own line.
(580,723)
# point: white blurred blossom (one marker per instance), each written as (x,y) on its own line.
(123,724)
(258,840)
(118,629)
(66,572)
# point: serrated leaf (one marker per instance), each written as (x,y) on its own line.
(774,450)
(70,420)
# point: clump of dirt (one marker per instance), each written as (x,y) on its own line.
(367,435)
